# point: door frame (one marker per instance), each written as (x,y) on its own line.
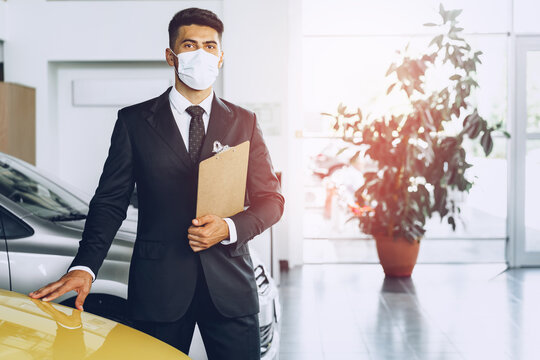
(517,256)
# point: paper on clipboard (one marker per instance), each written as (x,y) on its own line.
(222,182)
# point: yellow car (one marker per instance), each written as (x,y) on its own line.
(33,329)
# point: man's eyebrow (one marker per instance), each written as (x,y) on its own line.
(195,41)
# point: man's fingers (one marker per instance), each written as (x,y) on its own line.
(79,301)
(203,220)
(197,248)
(198,243)
(196,238)
(58,292)
(194,231)
(200,232)
(47,289)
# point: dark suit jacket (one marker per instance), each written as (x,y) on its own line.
(147,148)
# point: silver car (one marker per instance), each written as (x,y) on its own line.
(41,223)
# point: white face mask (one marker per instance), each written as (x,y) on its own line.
(197,69)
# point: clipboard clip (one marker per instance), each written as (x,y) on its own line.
(218,147)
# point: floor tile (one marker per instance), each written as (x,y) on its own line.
(349,311)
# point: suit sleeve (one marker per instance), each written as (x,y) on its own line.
(266,202)
(107,209)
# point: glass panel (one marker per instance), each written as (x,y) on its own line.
(532,196)
(351,70)
(323,17)
(432,251)
(526,16)
(37,194)
(483,209)
(533,91)
(12,227)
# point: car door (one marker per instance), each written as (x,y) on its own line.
(11,228)
(4,259)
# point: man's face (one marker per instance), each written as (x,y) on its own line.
(195,37)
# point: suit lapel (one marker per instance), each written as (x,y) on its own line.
(162,120)
(219,125)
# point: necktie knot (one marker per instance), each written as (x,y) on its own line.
(195,110)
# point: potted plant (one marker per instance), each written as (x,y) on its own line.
(420,162)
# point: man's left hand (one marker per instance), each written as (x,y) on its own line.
(207,231)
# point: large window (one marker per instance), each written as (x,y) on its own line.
(347,48)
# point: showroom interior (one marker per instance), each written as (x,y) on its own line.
(330,82)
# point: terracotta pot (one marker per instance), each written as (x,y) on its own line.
(397,255)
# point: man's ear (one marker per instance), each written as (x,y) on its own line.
(169,57)
(220,63)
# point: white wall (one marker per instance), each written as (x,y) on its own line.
(294,182)
(3,20)
(256,67)
(81,31)
(256,70)
(526,17)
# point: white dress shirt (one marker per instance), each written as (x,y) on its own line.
(179,104)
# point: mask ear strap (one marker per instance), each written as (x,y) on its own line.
(174,55)
(176,67)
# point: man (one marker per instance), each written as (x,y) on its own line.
(183,270)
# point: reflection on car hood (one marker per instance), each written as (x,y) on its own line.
(35,329)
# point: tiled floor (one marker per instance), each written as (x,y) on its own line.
(342,312)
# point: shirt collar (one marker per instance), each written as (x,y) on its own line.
(180,102)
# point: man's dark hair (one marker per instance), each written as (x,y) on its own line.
(193,16)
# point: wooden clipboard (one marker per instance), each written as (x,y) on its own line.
(222,182)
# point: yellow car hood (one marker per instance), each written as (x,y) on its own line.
(34,329)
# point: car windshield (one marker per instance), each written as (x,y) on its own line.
(39,195)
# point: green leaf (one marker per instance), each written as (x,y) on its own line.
(442,12)
(487,142)
(455,77)
(472,82)
(453,14)
(430,24)
(341,150)
(350,219)
(355,157)
(454,36)
(452,222)
(474,130)
(391,69)
(437,40)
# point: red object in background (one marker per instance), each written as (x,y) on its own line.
(330,193)
(325,165)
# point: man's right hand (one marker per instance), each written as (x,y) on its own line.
(78,280)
